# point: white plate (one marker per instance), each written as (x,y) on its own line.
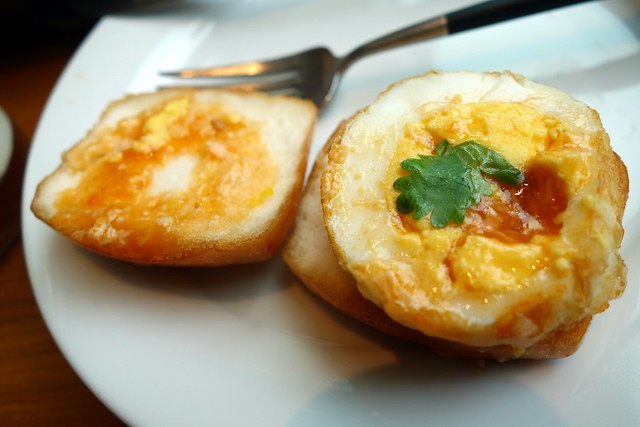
(248,346)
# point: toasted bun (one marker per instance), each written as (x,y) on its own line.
(319,271)
(183,177)
(518,278)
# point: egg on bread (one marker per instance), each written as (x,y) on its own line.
(528,265)
(320,271)
(183,177)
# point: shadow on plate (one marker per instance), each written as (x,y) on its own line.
(424,390)
(222,284)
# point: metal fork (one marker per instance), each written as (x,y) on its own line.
(315,73)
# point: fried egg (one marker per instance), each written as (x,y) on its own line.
(528,258)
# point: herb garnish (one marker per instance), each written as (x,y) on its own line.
(448,183)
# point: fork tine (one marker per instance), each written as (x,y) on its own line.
(245,69)
(265,86)
(286,86)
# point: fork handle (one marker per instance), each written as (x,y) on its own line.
(485,13)
(492,12)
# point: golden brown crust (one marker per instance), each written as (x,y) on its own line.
(320,272)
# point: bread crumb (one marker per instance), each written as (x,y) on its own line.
(104,232)
(217,148)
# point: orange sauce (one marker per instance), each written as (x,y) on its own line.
(517,214)
(112,208)
(543,195)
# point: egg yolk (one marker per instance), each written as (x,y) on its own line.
(173,171)
(499,245)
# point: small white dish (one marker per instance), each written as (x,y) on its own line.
(6,142)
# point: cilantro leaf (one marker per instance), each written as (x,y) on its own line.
(487,161)
(449,175)
(447,184)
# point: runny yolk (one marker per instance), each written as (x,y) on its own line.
(518,132)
